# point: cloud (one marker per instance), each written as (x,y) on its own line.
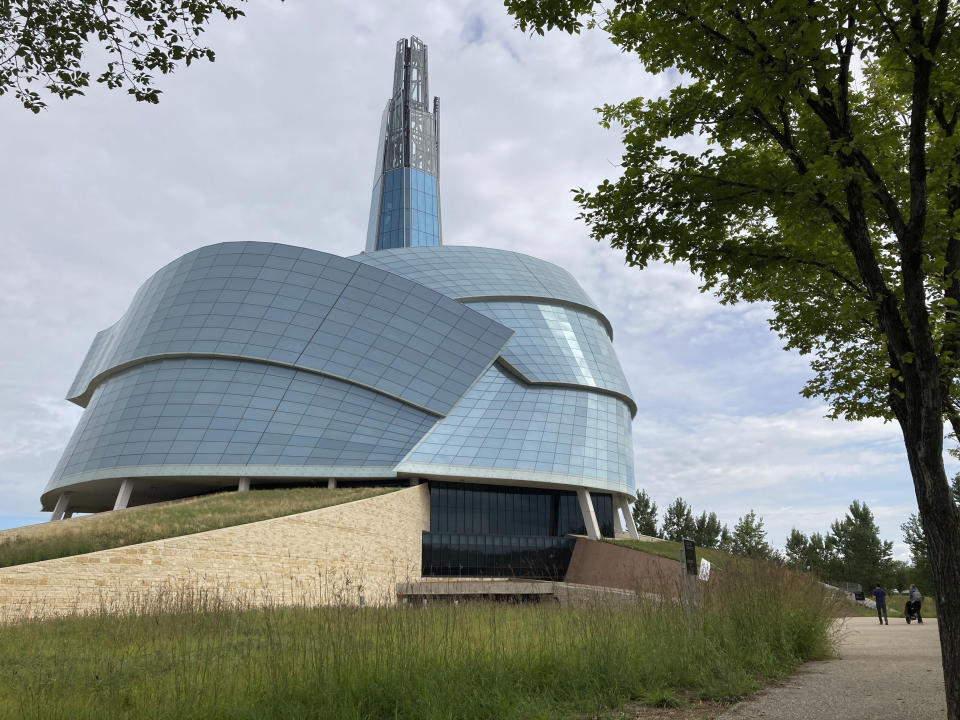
(276,142)
(473,30)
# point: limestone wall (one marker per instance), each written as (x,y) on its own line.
(350,553)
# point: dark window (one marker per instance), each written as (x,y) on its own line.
(455,555)
(498,531)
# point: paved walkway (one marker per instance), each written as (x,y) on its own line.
(882,671)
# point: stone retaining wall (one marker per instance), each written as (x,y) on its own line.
(351,553)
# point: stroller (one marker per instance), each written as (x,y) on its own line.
(911,611)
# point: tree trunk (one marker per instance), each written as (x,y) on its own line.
(941,524)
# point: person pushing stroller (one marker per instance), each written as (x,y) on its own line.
(911,610)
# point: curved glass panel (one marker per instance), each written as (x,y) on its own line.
(503,424)
(307,309)
(554,343)
(195,411)
(460,271)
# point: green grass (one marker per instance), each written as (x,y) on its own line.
(670,549)
(721,560)
(464,662)
(162,520)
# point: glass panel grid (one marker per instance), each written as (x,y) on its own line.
(554,343)
(254,414)
(257,301)
(552,430)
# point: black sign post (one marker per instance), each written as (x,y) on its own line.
(690,556)
(689,585)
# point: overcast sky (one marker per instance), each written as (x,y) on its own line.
(275,141)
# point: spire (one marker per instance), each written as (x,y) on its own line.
(405,207)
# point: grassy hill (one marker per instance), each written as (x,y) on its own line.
(163,520)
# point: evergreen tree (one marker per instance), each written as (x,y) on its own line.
(797,550)
(749,537)
(678,521)
(864,557)
(706,530)
(726,540)
(645,514)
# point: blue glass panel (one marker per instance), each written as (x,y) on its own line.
(460,271)
(523,427)
(333,426)
(355,322)
(554,343)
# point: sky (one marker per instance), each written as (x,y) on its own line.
(276,142)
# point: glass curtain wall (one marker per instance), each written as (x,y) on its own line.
(496,531)
(409,210)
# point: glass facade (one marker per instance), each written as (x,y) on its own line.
(555,344)
(405,206)
(477,273)
(502,531)
(507,428)
(486,556)
(282,363)
(308,309)
(196,411)
(409,210)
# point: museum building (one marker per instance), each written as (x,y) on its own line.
(488,374)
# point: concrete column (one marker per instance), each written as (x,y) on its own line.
(628,518)
(63,502)
(331,483)
(243,485)
(589,516)
(123,497)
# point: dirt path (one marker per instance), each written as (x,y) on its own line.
(882,671)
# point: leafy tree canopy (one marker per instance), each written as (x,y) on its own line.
(44,43)
(808,159)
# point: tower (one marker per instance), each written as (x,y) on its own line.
(405,206)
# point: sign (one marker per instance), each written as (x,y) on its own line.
(704,569)
(690,556)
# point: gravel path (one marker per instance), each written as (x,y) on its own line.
(882,671)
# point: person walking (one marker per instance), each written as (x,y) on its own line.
(880,596)
(916,600)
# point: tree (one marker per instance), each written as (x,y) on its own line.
(749,537)
(820,556)
(645,514)
(726,540)
(856,539)
(44,43)
(917,542)
(913,537)
(797,550)
(677,521)
(706,530)
(820,173)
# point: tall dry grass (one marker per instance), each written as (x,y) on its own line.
(204,657)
